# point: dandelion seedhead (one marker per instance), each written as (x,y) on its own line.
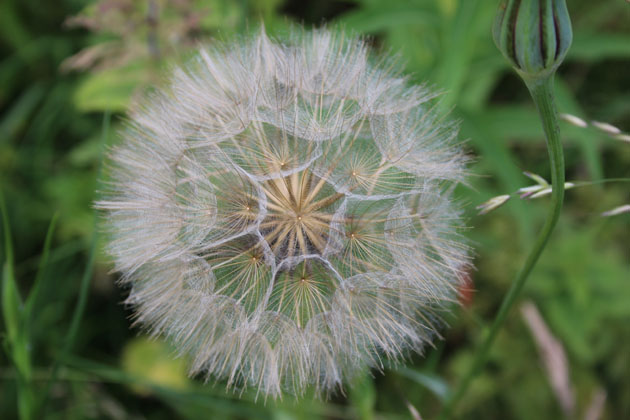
(283,212)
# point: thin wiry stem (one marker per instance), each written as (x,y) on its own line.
(542,94)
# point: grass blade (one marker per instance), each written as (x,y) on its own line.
(16,341)
(84,288)
(34,293)
(432,382)
(11,301)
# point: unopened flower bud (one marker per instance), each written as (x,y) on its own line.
(534,35)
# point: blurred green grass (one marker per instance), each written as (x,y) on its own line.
(50,147)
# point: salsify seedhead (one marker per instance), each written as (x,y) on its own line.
(282,212)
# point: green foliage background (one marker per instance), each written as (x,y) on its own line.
(54,119)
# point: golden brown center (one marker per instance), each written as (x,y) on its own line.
(300,211)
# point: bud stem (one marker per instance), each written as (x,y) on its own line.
(541,91)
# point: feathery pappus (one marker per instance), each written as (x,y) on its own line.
(282,211)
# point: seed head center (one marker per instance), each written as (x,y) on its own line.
(299,214)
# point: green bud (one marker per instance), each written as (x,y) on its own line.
(534,35)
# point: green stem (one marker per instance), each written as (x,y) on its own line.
(542,94)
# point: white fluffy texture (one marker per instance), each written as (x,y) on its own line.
(282,212)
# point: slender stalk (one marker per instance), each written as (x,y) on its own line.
(541,91)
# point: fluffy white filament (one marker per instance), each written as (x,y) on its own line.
(282,212)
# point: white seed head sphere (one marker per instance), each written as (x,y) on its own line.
(282,212)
